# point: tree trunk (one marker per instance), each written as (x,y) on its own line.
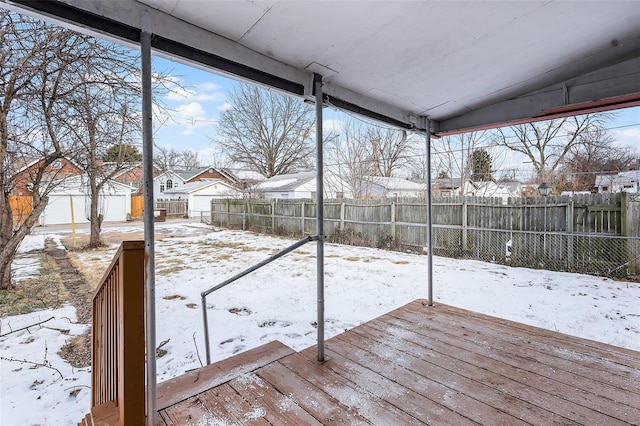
(94,217)
(9,240)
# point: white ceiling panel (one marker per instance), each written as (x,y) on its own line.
(464,64)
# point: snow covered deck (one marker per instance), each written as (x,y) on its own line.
(415,365)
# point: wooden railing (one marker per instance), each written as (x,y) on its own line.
(118,359)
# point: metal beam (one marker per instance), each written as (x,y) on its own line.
(149,243)
(612,87)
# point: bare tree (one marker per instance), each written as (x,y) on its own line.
(352,157)
(392,149)
(172,159)
(270,132)
(190,159)
(36,61)
(547,143)
(451,155)
(366,149)
(596,153)
(166,158)
(102,112)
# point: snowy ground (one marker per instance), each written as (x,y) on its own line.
(278,302)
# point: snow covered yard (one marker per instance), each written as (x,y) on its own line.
(278,302)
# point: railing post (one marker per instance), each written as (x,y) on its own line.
(205,321)
(131,339)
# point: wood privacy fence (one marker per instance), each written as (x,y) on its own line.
(21,207)
(137,206)
(595,234)
(174,208)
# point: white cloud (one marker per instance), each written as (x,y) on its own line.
(190,115)
(332,126)
(627,137)
(225,106)
(203,92)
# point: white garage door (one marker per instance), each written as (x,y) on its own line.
(58,210)
(201,203)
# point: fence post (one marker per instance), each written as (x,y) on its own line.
(342,209)
(570,213)
(244,214)
(393,220)
(465,224)
(302,219)
(273,215)
(623,214)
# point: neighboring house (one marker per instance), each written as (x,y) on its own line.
(301,185)
(164,182)
(199,194)
(114,201)
(131,174)
(244,179)
(172,179)
(24,174)
(446,187)
(201,173)
(490,189)
(514,187)
(452,187)
(628,181)
(380,186)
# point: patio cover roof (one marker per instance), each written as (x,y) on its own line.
(465,65)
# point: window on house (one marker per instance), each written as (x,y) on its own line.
(162,187)
(605,188)
(169,184)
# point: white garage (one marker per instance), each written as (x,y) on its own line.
(199,194)
(72,195)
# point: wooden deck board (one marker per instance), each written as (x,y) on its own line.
(268,402)
(197,381)
(418,365)
(316,402)
(513,380)
(596,381)
(230,407)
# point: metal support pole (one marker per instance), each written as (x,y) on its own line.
(205,321)
(319,215)
(149,249)
(429,221)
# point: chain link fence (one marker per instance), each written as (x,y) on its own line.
(603,253)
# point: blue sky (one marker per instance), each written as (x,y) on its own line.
(196,108)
